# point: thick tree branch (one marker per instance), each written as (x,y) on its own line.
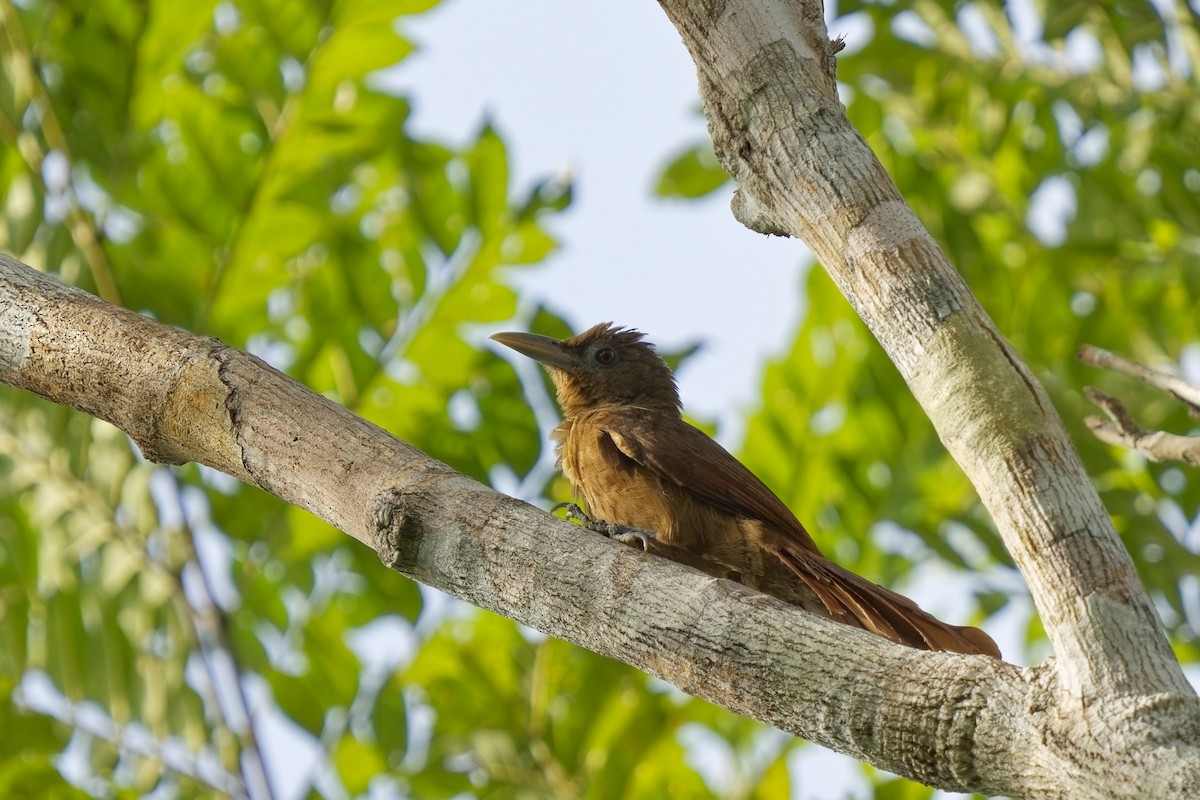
(952,721)
(766,71)
(183,397)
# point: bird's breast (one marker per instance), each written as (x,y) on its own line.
(613,487)
(617,488)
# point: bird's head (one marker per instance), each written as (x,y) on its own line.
(604,366)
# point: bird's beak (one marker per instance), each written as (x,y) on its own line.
(542,349)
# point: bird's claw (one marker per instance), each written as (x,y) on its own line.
(625,534)
(634,537)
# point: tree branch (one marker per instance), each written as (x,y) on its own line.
(1121,429)
(767,78)
(1173,385)
(183,397)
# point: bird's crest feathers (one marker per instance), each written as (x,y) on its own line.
(613,335)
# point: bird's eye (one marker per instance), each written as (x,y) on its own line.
(606,356)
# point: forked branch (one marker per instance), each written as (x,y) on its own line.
(1121,429)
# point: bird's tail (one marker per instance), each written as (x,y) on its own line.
(854,599)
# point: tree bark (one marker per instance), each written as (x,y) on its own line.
(1110,715)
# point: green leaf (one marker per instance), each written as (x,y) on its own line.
(694,172)
(357,764)
(355,52)
(487,164)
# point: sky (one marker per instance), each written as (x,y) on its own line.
(608,92)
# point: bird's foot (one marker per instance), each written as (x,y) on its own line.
(625,534)
(634,537)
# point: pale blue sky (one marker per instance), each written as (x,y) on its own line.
(608,91)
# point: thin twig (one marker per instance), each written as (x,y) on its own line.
(1121,429)
(210,625)
(1173,385)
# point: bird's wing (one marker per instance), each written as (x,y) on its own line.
(689,458)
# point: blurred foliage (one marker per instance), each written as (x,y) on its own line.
(234,168)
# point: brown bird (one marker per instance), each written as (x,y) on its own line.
(650,479)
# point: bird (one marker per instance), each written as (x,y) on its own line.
(650,479)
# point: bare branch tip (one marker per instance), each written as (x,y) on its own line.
(1099,357)
(1193,410)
